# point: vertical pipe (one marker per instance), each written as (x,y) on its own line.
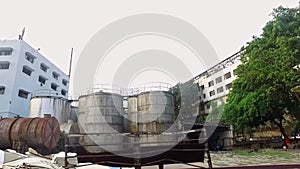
(70,66)
(66,151)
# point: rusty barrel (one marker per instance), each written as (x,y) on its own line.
(41,134)
(5,130)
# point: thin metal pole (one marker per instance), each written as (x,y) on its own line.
(70,66)
(137,153)
(66,150)
(208,156)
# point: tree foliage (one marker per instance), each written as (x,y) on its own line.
(269,76)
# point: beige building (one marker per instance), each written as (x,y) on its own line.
(216,82)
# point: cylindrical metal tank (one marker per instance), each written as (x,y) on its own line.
(5,127)
(125,123)
(132,114)
(132,104)
(42,134)
(70,128)
(55,106)
(73,114)
(153,115)
(100,116)
(154,112)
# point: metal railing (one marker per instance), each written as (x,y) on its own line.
(147,87)
(45,92)
(9,115)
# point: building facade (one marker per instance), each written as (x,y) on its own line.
(24,72)
(216,82)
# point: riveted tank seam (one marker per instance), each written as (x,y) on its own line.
(9,131)
(28,126)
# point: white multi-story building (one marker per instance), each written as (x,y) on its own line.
(24,71)
(216,82)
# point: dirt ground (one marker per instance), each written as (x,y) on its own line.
(245,157)
(250,157)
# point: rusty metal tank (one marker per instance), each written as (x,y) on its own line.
(56,106)
(101,113)
(42,134)
(150,114)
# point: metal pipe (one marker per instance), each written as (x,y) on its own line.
(70,66)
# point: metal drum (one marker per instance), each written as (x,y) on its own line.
(100,116)
(55,106)
(5,127)
(153,115)
(42,134)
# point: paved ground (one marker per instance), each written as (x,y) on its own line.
(237,158)
(243,158)
(246,158)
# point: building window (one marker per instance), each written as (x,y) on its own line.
(29,57)
(207,106)
(201,87)
(4,65)
(227,75)
(27,70)
(6,51)
(44,67)
(220,89)
(63,92)
(234,72)
(55,75)
(64,82)
(211,93)
(228,86)
(42,79)
(204,96)
(54,86)
(23,94)
(219,79)
(2,90)
(211,83)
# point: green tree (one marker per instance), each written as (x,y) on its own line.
(269,75)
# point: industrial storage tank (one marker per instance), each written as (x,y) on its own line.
(151,112)
(42,134)
(153,115)
(73,113)
(100,116)
(70,128)
(55,106)
(132,114)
